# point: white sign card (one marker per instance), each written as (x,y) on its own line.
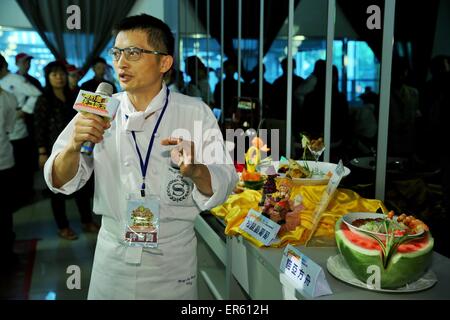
(331,187)
(259,227)
(300,272)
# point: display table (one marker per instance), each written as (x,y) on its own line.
(257,269)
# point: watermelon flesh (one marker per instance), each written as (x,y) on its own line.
(407,265)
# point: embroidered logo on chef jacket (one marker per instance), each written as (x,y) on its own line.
(179,189)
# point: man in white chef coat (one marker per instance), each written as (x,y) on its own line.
(188,170)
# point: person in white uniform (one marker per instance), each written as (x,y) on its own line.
(26,95)
(167,128)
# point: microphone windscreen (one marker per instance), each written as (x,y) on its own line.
(105,88)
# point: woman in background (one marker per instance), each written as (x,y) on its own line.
(54,110)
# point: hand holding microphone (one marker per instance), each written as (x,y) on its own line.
(88,127)
(96,109)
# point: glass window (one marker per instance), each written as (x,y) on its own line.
(14,41)
(362,69)
(192,46)
(307,53)
(359,61)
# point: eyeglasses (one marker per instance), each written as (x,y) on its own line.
(132,53)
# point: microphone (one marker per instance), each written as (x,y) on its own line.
(100,103)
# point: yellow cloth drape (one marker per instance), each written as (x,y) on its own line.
(236,207)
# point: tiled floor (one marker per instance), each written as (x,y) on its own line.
(54,255)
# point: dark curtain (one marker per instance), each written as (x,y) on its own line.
(79,47)
(415,27)
(275,13)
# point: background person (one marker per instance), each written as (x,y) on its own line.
(24,152)
(54,111)
(23,63)
(99,66)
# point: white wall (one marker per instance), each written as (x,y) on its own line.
(151,7)
(11,15)
(442,36)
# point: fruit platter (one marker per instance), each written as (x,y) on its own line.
(400,247)
(271,188)
(306,172)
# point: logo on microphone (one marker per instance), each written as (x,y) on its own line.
(94,101)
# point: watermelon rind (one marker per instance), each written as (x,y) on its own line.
(403,268)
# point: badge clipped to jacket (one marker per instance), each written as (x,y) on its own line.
(142,225)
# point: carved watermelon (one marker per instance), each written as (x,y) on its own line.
(407,265)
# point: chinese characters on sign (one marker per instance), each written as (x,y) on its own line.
(299,273)
(259,227)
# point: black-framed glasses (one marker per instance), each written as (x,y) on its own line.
(132,53)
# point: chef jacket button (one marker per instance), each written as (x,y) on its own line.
(126,164)
(156,135)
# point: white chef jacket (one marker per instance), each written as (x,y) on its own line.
(26,95)
(8,106)
(168,272)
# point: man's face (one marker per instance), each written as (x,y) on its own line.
(24,65)
(3,71)
(99,70)
(73,79)
(145,73)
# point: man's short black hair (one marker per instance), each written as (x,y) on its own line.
(98,60)
(3,62)
(158,33)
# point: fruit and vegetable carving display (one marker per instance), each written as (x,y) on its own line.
(250,177)
(301,170)
(401,247)
(278,206)
(296,170)
(252,180)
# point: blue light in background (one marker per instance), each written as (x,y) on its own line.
(50,296)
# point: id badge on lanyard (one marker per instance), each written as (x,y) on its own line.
(142,227)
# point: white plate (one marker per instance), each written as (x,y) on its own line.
(324,167)
(339,269)
(350,217)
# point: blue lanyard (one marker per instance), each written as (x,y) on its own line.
(144,165)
